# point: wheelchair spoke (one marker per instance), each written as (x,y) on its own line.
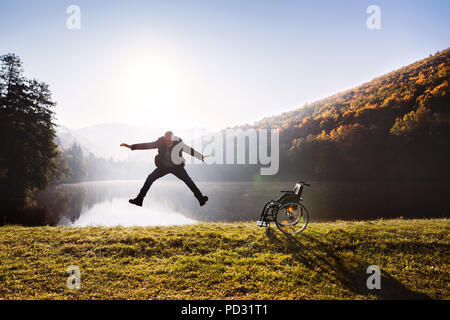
(291,218)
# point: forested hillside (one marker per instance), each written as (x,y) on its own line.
(394,127)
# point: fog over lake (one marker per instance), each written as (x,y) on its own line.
(170,202)
(118,212)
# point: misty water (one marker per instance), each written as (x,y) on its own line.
(170,202)
(118,212)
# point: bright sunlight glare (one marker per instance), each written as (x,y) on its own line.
(151,82)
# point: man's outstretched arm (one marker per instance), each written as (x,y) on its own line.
(141,146)
(194,153)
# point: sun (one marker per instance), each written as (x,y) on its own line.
(152,81)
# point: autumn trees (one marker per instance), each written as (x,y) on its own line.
(394,127)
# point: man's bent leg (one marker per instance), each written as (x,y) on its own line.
(181,174)
(156,174)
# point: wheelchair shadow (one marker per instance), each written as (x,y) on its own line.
(350,275)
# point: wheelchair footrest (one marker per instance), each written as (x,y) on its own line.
(260,223)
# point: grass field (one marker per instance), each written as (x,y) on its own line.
(228,261)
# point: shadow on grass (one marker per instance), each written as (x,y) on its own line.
(351,275)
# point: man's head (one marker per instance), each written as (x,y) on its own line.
(168,137)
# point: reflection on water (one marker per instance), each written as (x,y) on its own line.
(170,202)
(106,204)
(118,212)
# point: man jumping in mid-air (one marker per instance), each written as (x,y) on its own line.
(165,164)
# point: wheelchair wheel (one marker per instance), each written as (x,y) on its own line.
(291,218)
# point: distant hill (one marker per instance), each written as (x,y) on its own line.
(396,126)
(67,137)
(424,82)
(103,140)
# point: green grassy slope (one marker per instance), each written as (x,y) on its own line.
(228,260)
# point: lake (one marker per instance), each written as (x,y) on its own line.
(170,202)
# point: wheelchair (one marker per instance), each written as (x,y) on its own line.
(289,215)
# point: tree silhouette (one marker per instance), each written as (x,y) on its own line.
(27,148)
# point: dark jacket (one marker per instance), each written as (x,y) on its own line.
(161,145)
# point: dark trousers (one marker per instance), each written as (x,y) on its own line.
(178,172)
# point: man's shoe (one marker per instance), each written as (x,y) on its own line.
(203,200)
(137,201)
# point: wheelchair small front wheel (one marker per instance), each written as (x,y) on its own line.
(292,218)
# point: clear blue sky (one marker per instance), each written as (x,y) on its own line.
(211,63)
